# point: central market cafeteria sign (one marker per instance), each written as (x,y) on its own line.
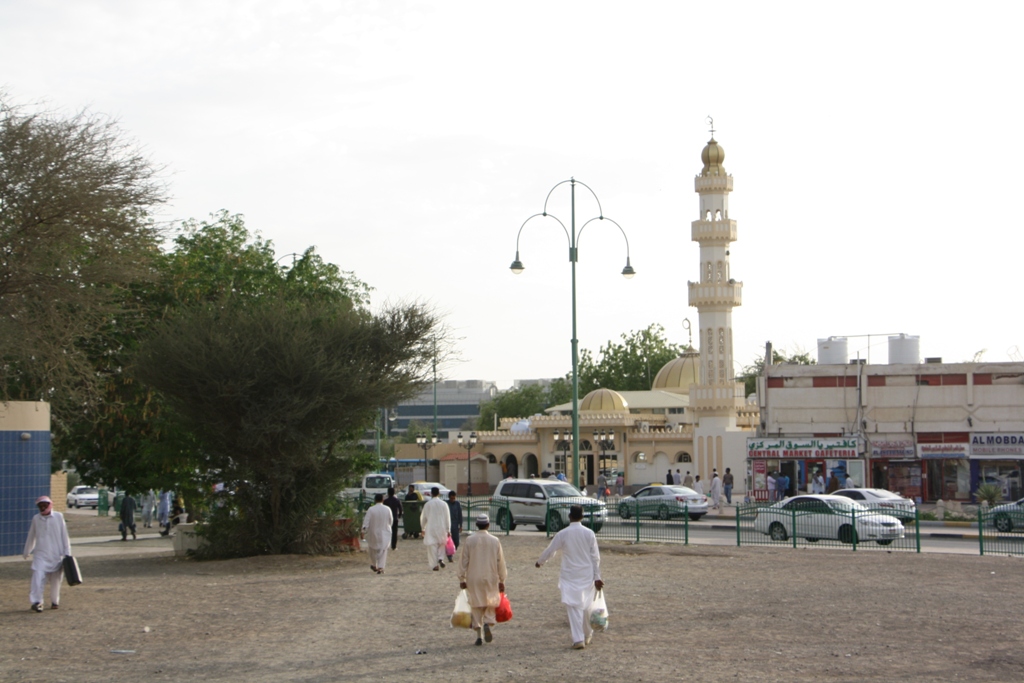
(815,449)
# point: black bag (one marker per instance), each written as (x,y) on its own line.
(71,571)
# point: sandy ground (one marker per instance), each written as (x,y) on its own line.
(693,613)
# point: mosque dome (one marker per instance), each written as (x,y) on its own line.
(713,156)
(604,401)
(677,375)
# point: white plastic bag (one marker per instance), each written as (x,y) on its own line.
(597,613)
(462,617)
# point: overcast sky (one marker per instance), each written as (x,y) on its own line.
(875,147)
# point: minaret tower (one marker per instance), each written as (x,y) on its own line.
(717,397)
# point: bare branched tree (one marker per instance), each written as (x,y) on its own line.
(75,229)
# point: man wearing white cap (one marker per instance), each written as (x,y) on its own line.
(580,577)
(482,574)
(48,543)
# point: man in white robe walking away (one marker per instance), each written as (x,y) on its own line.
(482,574)
(48,543)
(148,503)
(377,532)
(436,522)
(580,577)
(715,492)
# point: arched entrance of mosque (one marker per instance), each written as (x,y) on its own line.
(660,468)
(509,465)
(530,468)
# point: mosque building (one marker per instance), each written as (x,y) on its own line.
(694,418)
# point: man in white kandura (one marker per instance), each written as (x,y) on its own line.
(48,543)
(482,573)
(377,532)
(580,578)
(436,522)
(716,490)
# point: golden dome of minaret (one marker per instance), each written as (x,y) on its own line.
(713,156)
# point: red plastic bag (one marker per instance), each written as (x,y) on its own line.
(503,612)
(449,547)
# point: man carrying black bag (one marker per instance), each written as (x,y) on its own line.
(48,543)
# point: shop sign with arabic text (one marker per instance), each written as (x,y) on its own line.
(893,449)
(941,450)
(813,449)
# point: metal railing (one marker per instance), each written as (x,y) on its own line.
(628,520)
(820,526)
(1001,532)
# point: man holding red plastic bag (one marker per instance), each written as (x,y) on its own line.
(482,575)
(580,576)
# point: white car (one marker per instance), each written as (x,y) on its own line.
(544,503)
(814,517)
(423,487)
(83,496)
(896,505)
(1008,516)
(661,501)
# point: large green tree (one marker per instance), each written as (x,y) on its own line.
(630,365)
(76,232)
(277,390)
(128,438)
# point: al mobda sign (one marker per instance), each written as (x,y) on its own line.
(997,444)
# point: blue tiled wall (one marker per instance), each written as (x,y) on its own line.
(24,476)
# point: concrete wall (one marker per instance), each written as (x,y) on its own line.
(24,469)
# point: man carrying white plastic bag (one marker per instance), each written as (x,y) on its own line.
(580,576)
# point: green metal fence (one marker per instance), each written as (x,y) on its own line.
(1001,530)
(807,523)
(627,521)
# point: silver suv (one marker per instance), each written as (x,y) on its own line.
(544,502)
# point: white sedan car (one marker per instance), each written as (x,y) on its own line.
(423,487)
(83,496)
(814,517)
(664,502)
(896,505)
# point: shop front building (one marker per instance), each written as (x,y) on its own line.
(930,431)
(801,460)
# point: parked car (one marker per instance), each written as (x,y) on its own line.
(1008,516)
(826,516)
(370,485)
(423,487)
(896,505)
(664,502)
(545,503)
(83,496)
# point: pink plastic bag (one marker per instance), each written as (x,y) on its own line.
(449,547)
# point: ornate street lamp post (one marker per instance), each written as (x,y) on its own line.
(606,442)
(562,441)
(573,236)
(468,442)
(426,445)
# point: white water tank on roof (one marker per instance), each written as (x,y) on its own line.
(905,350)
(833,351)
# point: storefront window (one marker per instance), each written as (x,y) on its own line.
(1002,473)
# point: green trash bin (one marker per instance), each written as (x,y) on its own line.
(118,499)
(102,503)
(411,518)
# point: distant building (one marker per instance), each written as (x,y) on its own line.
(458,406)
(927,430)
(695,417)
